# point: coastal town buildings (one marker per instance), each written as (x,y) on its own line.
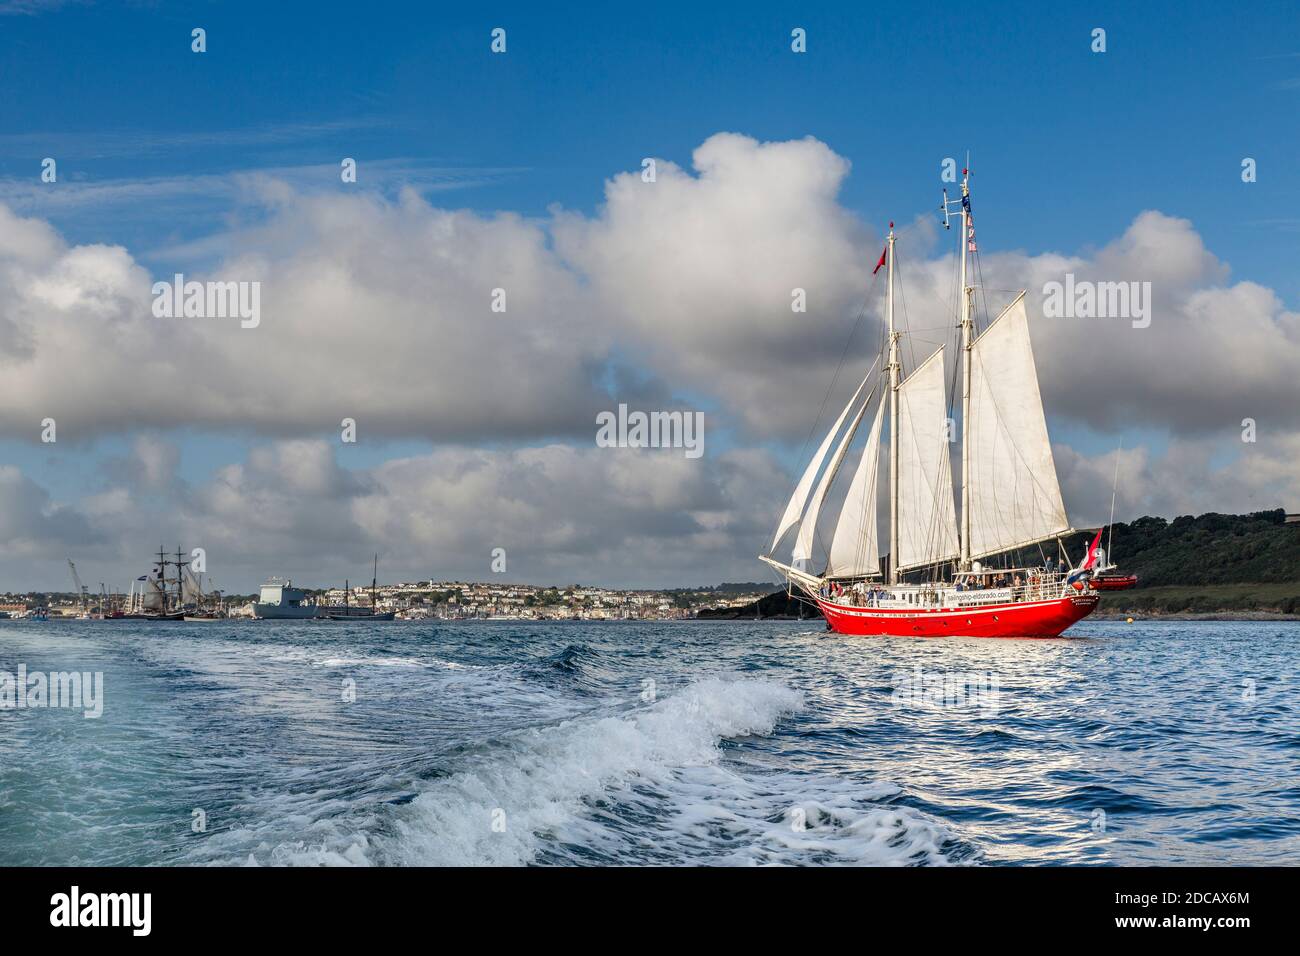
(461,600)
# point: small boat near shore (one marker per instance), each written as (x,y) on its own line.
(1114,582)
(364,616)
(352,612)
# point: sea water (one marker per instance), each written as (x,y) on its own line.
(509,743)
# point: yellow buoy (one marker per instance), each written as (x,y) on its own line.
(1130,620)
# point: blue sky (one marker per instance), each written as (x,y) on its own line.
(1068,145)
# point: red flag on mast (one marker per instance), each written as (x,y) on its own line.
(881,262)
(1092,551)
(1088,562)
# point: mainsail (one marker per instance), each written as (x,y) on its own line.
(795,508)
(927,517)
(855,550)
(1014,494)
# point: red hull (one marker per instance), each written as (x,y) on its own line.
(1031,619)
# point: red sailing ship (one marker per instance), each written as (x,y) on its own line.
(942,578)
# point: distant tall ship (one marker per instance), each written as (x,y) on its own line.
(940,578)
(163,597)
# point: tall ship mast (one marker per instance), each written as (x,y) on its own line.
(157,600)
(939,576)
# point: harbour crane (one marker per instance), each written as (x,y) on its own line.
(81,588)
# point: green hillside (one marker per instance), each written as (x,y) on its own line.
(1210,549)
(1206,564)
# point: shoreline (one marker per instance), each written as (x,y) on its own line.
(1254,615)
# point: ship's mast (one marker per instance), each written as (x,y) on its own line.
(162,578)
(893,412)
(180,579)
(967,338)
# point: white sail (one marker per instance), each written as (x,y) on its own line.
(808,527)
(1015,498)
(927,516)
(800,497)
(155,598)
(191,588)
(855,549)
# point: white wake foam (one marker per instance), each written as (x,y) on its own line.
(497,811)
(652,787)
(659,784)
(387,662)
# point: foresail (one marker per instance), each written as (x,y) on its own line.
(800,497)
(1015,497)
(855,548)
(927,516)
(808,526)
